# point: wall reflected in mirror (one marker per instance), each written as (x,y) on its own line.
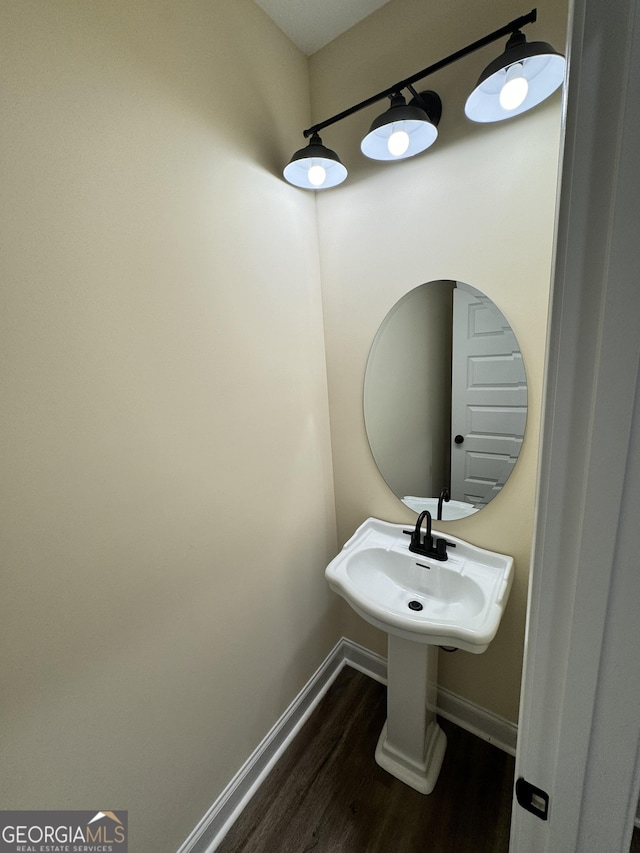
(445,399)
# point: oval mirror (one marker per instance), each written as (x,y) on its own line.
(445,399)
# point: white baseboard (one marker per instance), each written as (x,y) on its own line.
(477,720)
(364,660)
(212,828)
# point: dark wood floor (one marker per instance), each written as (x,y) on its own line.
(327,794)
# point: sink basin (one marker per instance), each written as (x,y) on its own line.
(458,602)
(450,509)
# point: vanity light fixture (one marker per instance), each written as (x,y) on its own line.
(522,77)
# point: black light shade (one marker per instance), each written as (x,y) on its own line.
(524,76)
(315,167)
(404,129)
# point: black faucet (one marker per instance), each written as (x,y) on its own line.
(444,496)
(426,546)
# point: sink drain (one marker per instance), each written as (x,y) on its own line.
(415,605)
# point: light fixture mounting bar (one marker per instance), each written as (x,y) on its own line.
(508,29)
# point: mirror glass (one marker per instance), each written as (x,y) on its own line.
(445,399)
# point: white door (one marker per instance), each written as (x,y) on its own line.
(489,398)
(579,727)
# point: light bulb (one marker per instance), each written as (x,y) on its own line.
(515,88)
(398,143)
(317,175)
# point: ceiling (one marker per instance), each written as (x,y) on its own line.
(310,24)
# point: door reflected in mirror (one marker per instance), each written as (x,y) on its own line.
(445,399)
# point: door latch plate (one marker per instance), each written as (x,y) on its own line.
(533,799)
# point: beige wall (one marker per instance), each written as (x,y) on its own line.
(167,504)
(478,207)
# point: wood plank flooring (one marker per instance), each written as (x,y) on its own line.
(327,794)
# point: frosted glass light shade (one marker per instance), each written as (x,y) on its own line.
(539,64)
(403,130)
(315,167)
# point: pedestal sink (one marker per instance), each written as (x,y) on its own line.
(421,603)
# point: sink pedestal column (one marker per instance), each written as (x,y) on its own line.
(412,744)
